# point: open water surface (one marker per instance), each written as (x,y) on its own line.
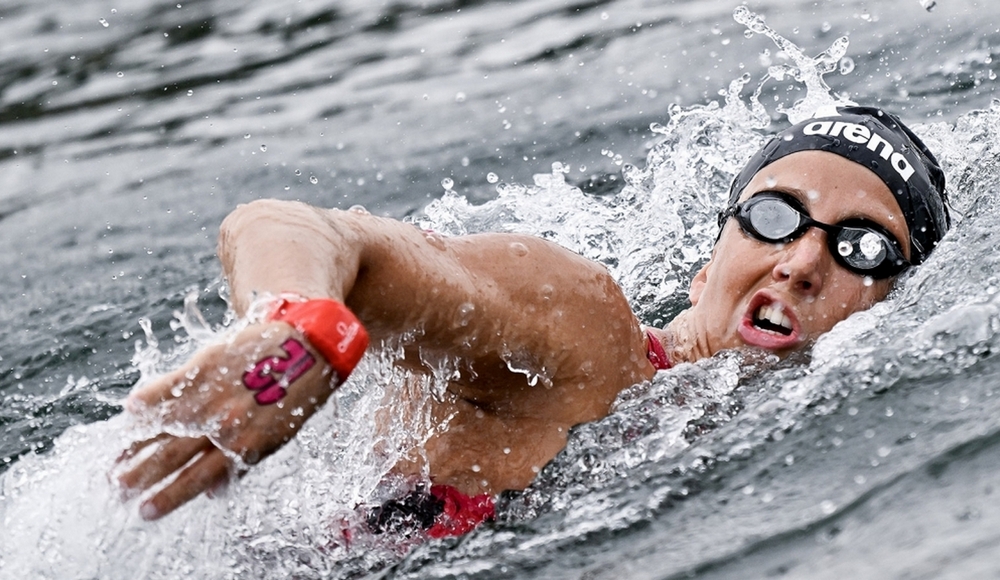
(127,133)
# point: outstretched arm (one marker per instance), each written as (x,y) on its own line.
(494,300)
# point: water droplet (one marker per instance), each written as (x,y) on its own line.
(492,177)
(476,468)
(928,5)
(104,23)
(190,92)
(447,183)
(460,97)
(313,179)
(247,136)
(846,65)
(359,209)
(298,172)
(789,459)
(263,148)
(748,490)
(828,507)
(604,16)
(465,312)
(519,249)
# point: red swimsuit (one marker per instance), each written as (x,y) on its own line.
(442,511)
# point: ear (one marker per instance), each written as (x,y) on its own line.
(699,281)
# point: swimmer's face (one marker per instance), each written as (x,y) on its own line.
(782,296)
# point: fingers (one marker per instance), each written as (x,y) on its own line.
(138,446)
(208,472)
(171,455)
(156,392)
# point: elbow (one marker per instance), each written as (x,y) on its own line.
(247,216)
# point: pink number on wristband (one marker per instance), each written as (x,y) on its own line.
(288,369)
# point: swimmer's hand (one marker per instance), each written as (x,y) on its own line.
(229,407)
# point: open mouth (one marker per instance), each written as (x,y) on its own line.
(772,318)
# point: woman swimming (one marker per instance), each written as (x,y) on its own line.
(819,224)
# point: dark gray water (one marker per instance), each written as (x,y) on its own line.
(127,133)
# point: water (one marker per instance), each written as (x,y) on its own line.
(129,132)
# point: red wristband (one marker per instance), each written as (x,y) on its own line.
(331,328)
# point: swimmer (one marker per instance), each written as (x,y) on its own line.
(819,224)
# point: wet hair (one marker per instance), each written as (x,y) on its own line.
(880,142)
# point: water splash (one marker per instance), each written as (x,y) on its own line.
(301,500)
(804,69)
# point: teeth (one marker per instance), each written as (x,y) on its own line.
(775,316)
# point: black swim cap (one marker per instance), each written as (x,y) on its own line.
(879,141)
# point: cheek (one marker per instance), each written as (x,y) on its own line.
(849,294)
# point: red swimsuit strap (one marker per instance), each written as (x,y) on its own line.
(655,352)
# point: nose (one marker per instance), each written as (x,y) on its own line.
(802,263)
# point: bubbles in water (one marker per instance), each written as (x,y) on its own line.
(104,23)
(928,5)
(120,74)
(313,179)
(492,177)
(263,148)
(447,183)
(846,65)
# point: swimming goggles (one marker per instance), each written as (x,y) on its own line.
(862,246)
